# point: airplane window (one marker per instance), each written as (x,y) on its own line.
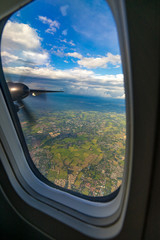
(62,63)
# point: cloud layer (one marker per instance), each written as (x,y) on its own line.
(77,81)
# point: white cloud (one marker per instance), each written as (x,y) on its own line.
(75,55)
(21,45)
(80,75)
(58,50)
(7,57)
(20,35)
(64,32)
(78,81)
(117,66)
(121,96)
(114,59)
(53,25)
(63,40)
(93,62)
(25,58)
(36,57)
(63,10)
(100,62)
(70,42)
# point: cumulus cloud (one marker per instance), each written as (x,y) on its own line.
(21,45)
(75,55)
(16,35)
(53,25)
(63,10)
(93,62)
(100,62)
(36,57)
(97,62)
(25,58)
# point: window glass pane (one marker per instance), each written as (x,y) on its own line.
(76,135)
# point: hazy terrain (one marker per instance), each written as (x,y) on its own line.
(78,142)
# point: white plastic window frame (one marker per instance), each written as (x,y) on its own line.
(95,219)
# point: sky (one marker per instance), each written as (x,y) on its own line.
(64,45)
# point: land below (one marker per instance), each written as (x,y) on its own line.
(79,150)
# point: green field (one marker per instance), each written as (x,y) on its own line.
(78,150)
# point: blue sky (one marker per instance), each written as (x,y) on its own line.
(69,45)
